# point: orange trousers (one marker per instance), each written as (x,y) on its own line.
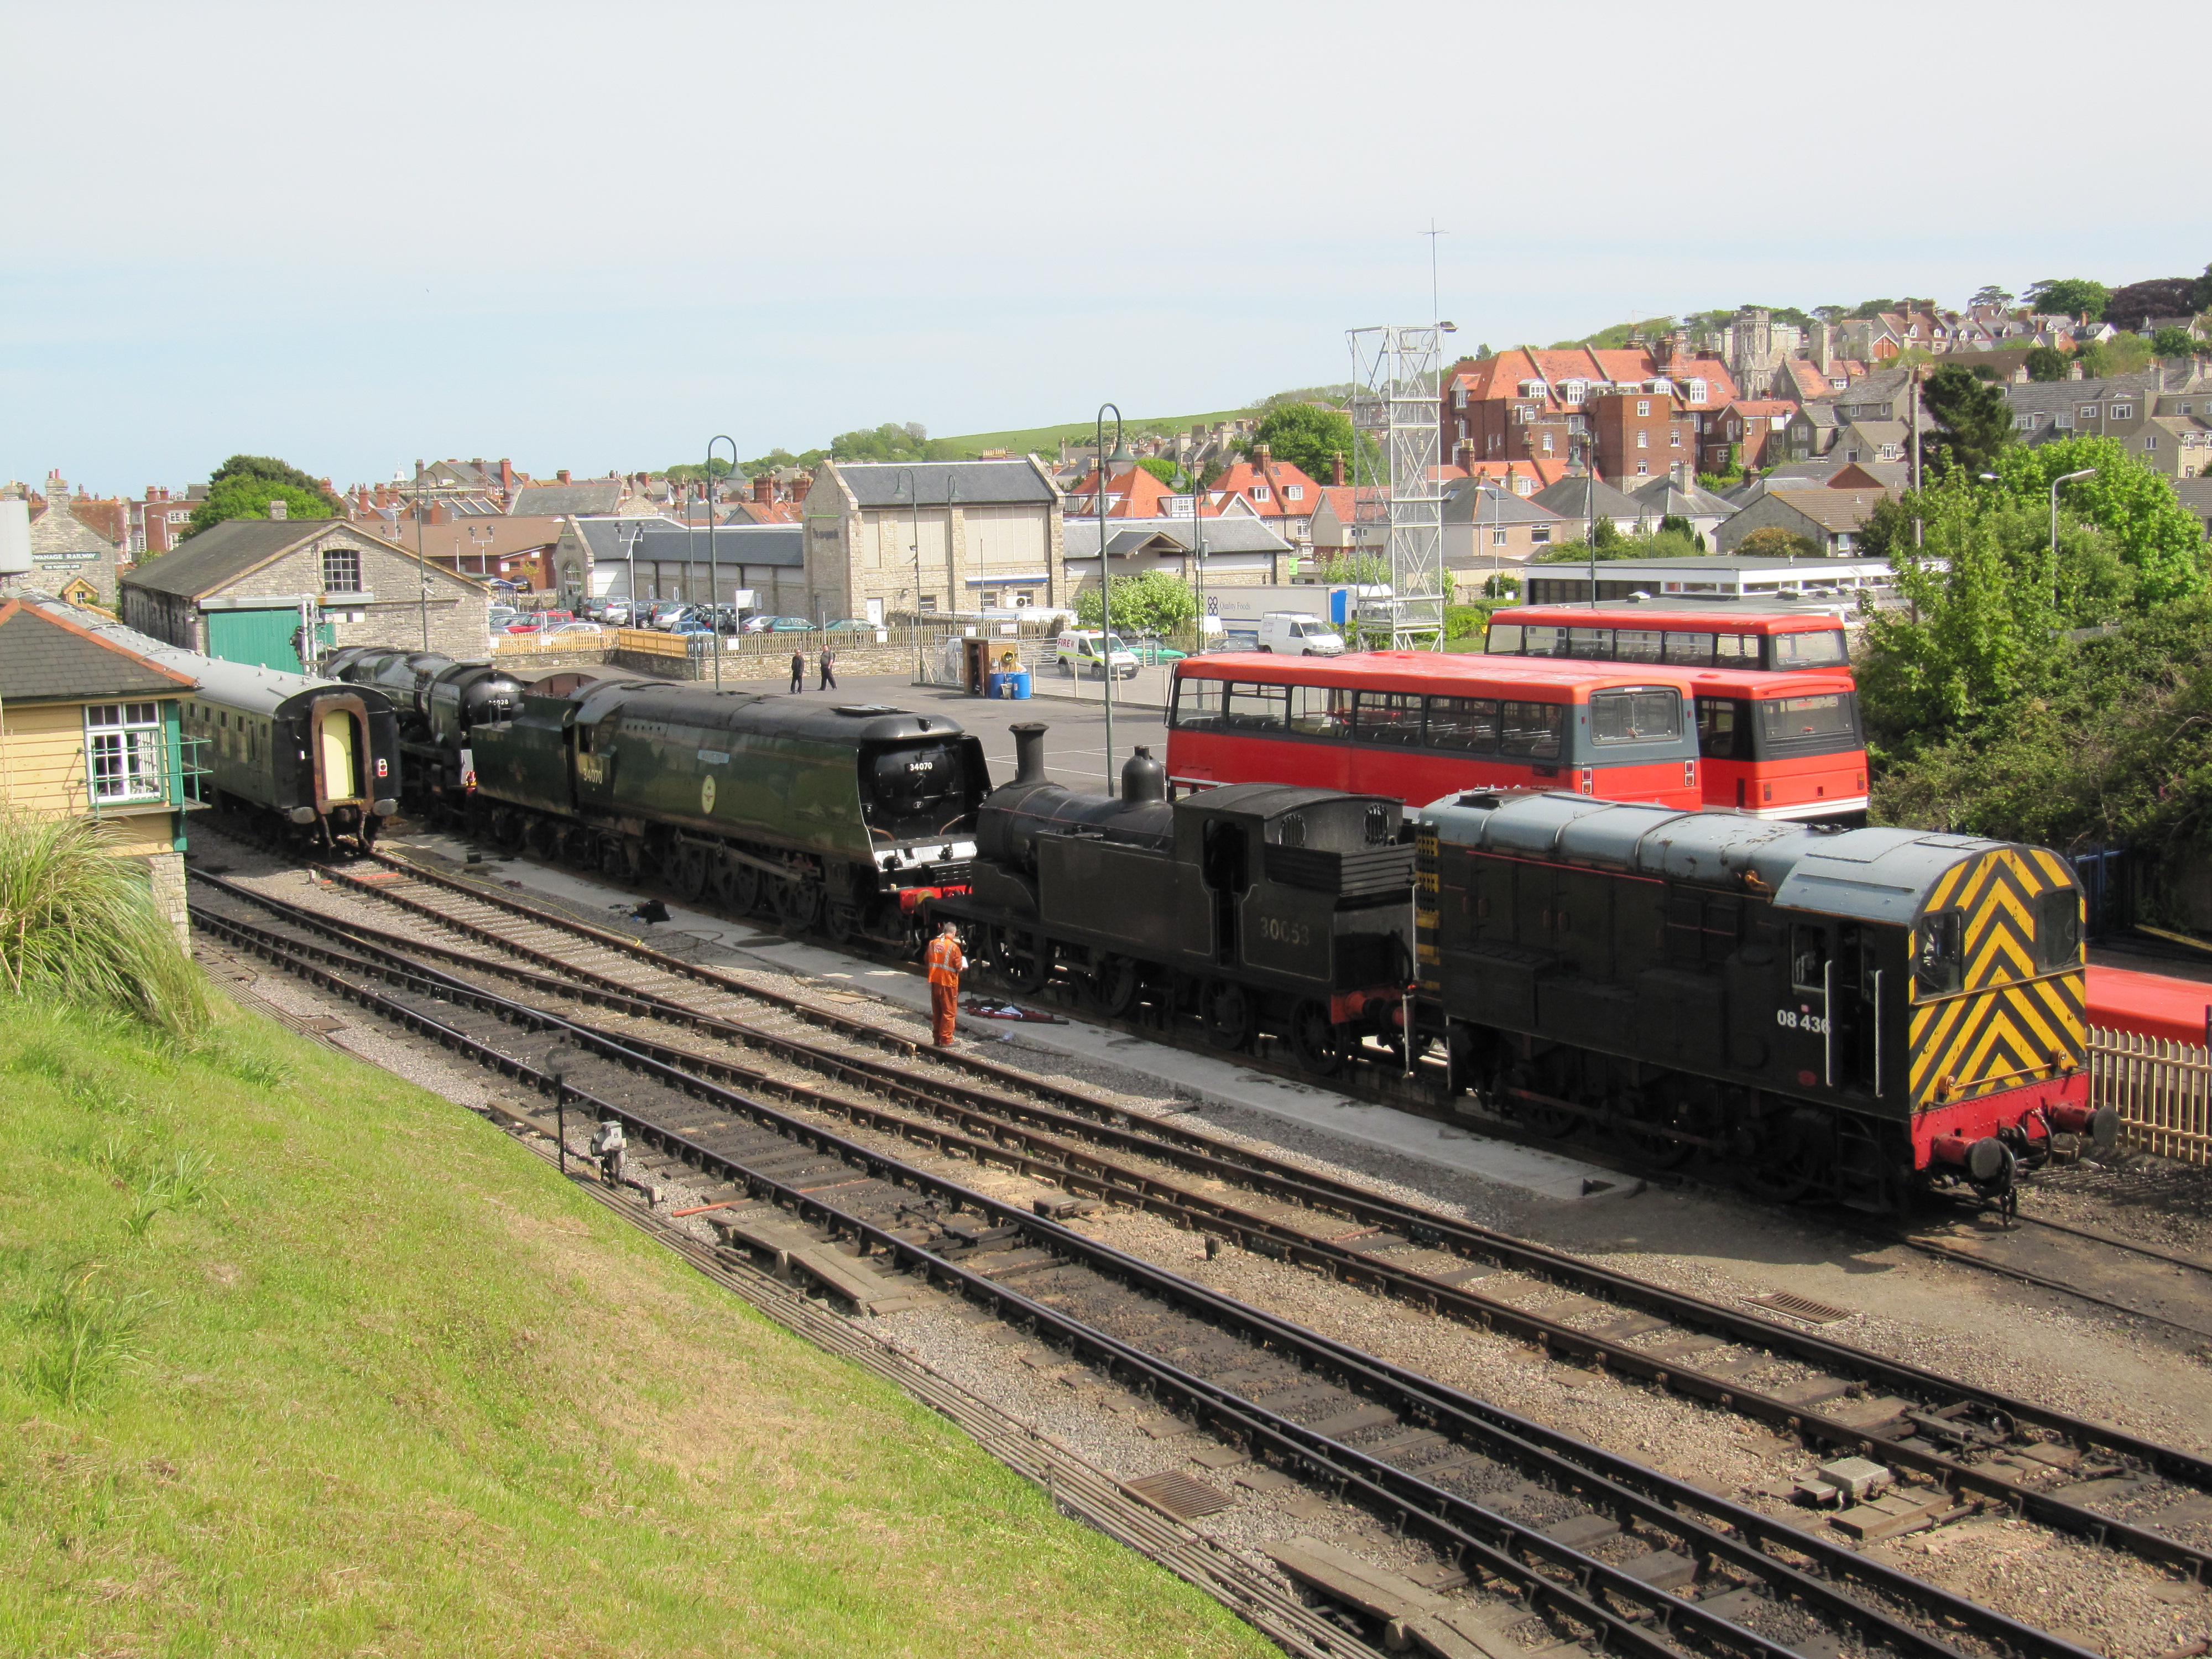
(943,1004)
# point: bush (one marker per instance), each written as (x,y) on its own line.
(76,924)
(1772,542)
(1153,603)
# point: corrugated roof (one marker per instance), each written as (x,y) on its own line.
(978,483)
(46,659)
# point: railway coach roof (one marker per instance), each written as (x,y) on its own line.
(235,684)
(1869,875)
(750,712)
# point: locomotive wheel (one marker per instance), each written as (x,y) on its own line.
(543,837)
(1112,985)
(1639,1116)
(799,904)
(1230,1014)
(1542,1116)
(722,876)
(840,919)
(1025,962)
(1321,1044)
(507,829)
(688,871)
(614,858)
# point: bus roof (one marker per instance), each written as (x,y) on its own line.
(1440,673)
(1711,681)
(1688,621)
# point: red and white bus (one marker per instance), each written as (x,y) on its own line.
(1780,745)
(1417,725)
(1671,639)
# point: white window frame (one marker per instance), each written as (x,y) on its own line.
(1259,492)
(1643,408)
(126,746)
(1294,492)
(2124,411)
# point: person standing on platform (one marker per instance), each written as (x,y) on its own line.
(829,669)
(799,670)
(947,964)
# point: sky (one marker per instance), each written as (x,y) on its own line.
(595,236)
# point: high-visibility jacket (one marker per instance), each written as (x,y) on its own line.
(945,960)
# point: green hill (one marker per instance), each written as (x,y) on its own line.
(1045,440)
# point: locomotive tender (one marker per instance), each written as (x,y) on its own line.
(1254,905)
(439,701)
(1840,1011)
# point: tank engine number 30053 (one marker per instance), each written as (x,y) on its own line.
(1801,1019)
(1276,931)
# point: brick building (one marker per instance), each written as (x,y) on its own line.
(1639,407)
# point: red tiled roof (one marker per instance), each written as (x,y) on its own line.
(1541,474)
(1244,476)
(1136,494)
(1501,376)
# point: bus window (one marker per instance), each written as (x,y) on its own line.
(1719,720)
(1468,723)
(1505,638)
(1637,644)
(1595,643)
(1820,648)
(1253,708)
(1689,650)
(1735,651)
(1635,716)
(1545,642)
(1785,720)
(1320,711)
(1532,729)
(1388,717)
(1198,704)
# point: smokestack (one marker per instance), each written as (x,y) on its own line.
(1028,751)
(1143,779)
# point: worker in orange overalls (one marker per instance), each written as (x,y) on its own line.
(947,964)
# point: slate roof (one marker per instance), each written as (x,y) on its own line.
(223,552)
(1570,498)
(1664,495)
(1232,534)
(1832,509)
(45,658)
(564,498)
(883,484)
(783,545)
(1487,504)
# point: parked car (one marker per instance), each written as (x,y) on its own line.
(575,630)
(1083,651)
(523,625)
(850,625)
(499,616)
(615,613)
(1291,633)
(778,625)
(1152,650)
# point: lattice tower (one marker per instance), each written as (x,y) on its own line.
(1398,500)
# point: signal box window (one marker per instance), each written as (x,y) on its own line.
(2058,930)
(123,743)
(1938,965)
(1465,724)
(1532,729)
(1389,717)
(1635,716)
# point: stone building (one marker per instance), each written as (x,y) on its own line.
(650,559)
(933,539)
(77,544)
(238,591)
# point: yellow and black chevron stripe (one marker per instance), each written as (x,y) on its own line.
(1425,919)
(2009,1023)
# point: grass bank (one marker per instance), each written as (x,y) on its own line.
(1045,440)
(296,1359)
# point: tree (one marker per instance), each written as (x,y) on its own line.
(2175,341)
(243,487)
(1872,307)
(2070,296)
(1154,602)
(2046,363)
(2134,305)
(2200,293)
(1361,569)
(1308,436)
(2159,540)
(1772,541)
(1988,294)
(1161,468)
(1973,421)
(692,471)
(890,441)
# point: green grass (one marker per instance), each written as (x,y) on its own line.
(1045,440)
(295,1358)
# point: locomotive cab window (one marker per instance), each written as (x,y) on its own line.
(1635,716)
(1809,956)
(1937,962)
(2058,930)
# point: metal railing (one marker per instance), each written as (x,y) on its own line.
(2161,1088)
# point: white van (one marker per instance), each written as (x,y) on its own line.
(1291,634)
(1081,651)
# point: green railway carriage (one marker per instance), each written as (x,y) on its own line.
(1843,1012)
(842,815)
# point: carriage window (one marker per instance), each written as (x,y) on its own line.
(2059,929)
(1718,720)
(1637,644)
(1937,967)
(1505,638)
(1785,719)
(1321,711)
(1545,642)
(1594,643)
(1689,650)
(1468,723)
(1389,717)
(1822,649)
(1809,956)
(1635,716)
(1532,729)
(1735,650)
(1198,704)
(1253,708)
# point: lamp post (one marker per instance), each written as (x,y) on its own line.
(423,572)
(713,567)
(913,492)
(1106,574)
(635,534)
(2066,477)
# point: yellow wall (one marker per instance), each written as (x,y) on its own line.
(42,770)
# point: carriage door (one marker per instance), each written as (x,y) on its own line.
(1855,994)
(1227,876)
(338,756)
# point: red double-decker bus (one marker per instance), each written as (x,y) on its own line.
(1671,639)
(1419,724)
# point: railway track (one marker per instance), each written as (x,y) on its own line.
(1955,1439)
(1529,1529)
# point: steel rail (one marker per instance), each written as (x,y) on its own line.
(1468,1531)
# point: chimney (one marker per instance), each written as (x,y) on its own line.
(1028,751)
(506,475)
(562,475)
(1336,465)
(437,513)
(278,510)
(764,488)
(1262,454)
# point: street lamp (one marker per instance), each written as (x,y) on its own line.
(714,569)
(1106,574)
(423,564)
(2067,478)
(635,531)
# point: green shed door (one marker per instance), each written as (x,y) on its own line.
(262,638)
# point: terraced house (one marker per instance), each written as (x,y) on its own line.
(2163,415)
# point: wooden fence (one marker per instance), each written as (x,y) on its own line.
(2161,1089)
